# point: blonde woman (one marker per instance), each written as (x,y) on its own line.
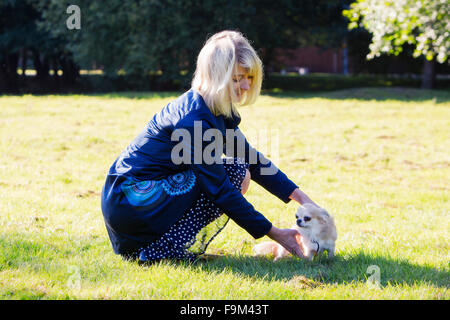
(163,199)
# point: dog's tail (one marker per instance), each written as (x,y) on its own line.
(265,248)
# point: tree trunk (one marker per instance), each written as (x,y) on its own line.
(70,71)
(11,77)
(3,80)
(428,74)
(22,64)
(268,57)
(41,65)
(12,61)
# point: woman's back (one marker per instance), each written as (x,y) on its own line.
(149,155)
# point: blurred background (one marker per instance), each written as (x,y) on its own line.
(137,45)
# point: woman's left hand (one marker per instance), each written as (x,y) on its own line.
(288,238)
(301,197)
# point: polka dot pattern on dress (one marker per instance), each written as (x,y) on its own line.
(174,244)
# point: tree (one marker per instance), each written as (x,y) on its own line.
(423,24)
(23,43)
(139,38)
(17,35)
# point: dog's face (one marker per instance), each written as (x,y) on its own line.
(311,217)
(317,229)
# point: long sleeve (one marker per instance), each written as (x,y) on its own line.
(262,170)
(214,181)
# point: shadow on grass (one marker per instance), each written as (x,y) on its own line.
(364,94)
(369,94)
(357,268)
(17,253)
(350,269)
(137,94)
(31,258)
(111,95)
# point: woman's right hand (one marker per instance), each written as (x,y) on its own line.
(288,238)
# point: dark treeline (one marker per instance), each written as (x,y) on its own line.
(154,42)
(23,43)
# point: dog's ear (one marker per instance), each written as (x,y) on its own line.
(325,213)
(308,206)
(323,216)
(300,211)
(322,219)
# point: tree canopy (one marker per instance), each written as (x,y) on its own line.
(425,24)
(143,37)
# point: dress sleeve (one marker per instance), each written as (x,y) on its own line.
(262,170)
(214,181)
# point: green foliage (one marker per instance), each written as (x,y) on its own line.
(17,27)
(142,38)
(322,82)
(425,24)
(24,44)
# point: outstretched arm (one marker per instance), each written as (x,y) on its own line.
(299,196)
(262,170)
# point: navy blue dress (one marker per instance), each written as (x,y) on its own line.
(145,193)
(190,236)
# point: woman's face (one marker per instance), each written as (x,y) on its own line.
(242,82)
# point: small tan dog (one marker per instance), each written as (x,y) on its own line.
(318,233)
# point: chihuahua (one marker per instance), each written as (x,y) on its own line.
(317,234)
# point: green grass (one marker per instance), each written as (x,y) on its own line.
(376,159)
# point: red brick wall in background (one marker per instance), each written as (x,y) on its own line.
(313,58)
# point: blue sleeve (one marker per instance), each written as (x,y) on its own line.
(214,182)
(262,170)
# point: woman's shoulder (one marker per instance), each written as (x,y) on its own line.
(191,107)
(189,101)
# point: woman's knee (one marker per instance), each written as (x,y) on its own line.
(246,182)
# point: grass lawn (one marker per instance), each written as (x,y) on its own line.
(377,159)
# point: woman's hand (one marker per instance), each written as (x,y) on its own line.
(288,238)
(299,196)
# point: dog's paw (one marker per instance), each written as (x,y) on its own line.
(265,248)
(309,255)
(309,258)
(277,259)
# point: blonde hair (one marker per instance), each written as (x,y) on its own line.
(217,62)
